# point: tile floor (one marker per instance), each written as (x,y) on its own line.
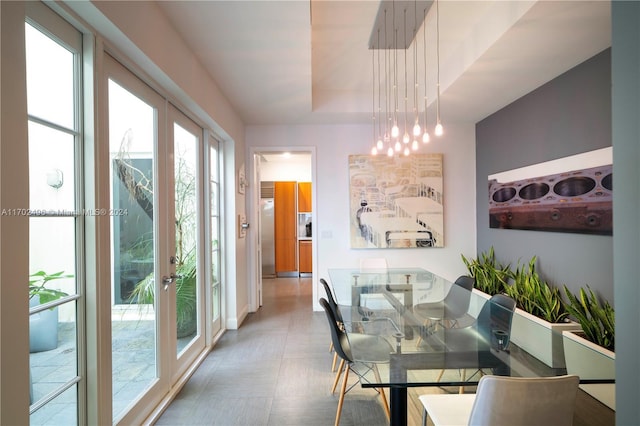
(274,370)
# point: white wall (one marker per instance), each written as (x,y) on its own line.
(295,168)
(333,145)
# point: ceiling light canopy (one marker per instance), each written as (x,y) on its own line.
(396,32)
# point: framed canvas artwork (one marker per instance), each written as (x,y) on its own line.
(396,202)
(572,194)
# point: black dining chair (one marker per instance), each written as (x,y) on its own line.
(492,328)
(337,314)
(369,351)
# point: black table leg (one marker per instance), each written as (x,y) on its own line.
(398,407)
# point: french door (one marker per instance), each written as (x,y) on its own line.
(157,252)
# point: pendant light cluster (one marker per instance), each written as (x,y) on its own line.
(388,37)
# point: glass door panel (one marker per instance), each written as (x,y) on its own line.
(214,235)
(187,222)
(132,154)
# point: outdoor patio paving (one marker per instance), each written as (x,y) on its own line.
(133,370)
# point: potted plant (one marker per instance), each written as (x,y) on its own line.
(590,352)
(43,324)
(491,277)
(540,316)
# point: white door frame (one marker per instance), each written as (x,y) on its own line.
(253,213)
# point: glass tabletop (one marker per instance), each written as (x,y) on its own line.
(434,332)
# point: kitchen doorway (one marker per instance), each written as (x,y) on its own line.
(283,242)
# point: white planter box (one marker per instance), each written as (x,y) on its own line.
(591,361)
(541,338)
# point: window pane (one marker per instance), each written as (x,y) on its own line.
(215,232)
(132,132)
(186,219)
(50,91)
(56,365)
(51,169)
(60,411)
(52,257)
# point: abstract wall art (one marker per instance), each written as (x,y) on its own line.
(396,202)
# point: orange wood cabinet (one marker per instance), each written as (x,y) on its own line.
(304,197)
(285,231)
(306,264)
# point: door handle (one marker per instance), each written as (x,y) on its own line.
(166,281)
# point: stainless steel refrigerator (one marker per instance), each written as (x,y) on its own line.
(267,230)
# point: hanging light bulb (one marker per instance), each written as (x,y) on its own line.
(406,138)
(416,128)
(387,134)
(438,130)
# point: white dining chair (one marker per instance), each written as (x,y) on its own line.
(506,401)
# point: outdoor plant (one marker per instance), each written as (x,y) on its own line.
(185,257)
(38,286)
(535,296)
(596,318)
(491,277)
(144,293)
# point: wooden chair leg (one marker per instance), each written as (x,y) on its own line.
(381,392)
(385,404)
(343,390)
(440,375)
(464,377)
(330,346)
(333,364)
(335,382)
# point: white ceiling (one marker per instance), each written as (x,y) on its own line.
(297,62)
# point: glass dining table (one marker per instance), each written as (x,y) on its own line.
(431,341)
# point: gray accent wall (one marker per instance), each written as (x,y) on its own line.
(568,115)
(626,212)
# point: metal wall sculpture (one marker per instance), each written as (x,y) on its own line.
(575,200)
(396,202)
